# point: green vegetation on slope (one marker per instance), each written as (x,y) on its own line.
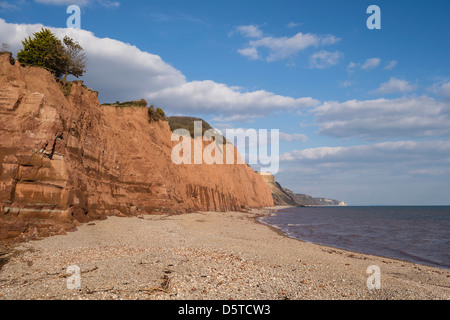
(188,123)
(137,103)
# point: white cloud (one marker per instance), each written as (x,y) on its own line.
(391,152)
(5,5)
(445,89)
(249,31)
(293,24)
(120,71)
(228,119)
(279,47)
(208,96)
(352,65)
(284,47)
(396,85)
(346,83)
(289,137)
(329,40)
(441,88)
(391,65)
(109,4)
(384,118)
(251,53)
(324,59)
(371,63)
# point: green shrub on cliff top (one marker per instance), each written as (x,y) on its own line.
(188,123)
(45,50)
(155,115)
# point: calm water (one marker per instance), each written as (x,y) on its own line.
(416,234)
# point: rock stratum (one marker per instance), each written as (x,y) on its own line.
(66,160)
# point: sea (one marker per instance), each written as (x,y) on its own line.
(419,234)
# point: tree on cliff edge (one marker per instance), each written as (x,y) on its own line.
(45,50)
(74,58)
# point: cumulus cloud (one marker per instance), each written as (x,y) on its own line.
(249,31)
(445,89)
(208,96)
(396,85)
(279,48)
(324,59)
(441,88)
(384,118)
(120,71)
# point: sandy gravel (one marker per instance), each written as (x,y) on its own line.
(203,256)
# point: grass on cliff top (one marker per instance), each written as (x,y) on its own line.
(153,114)
(138,103)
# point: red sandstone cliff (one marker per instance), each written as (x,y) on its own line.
(68,160)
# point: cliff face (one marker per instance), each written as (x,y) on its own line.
(279,195)
(303,199)
(68,160)
(285,197)
(330,202)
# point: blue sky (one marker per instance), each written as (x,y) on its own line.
(364,114)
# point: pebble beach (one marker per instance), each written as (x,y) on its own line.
(203,256)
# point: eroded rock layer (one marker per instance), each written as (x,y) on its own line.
(66,160)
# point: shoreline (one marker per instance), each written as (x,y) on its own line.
(206,256)
(277,230)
